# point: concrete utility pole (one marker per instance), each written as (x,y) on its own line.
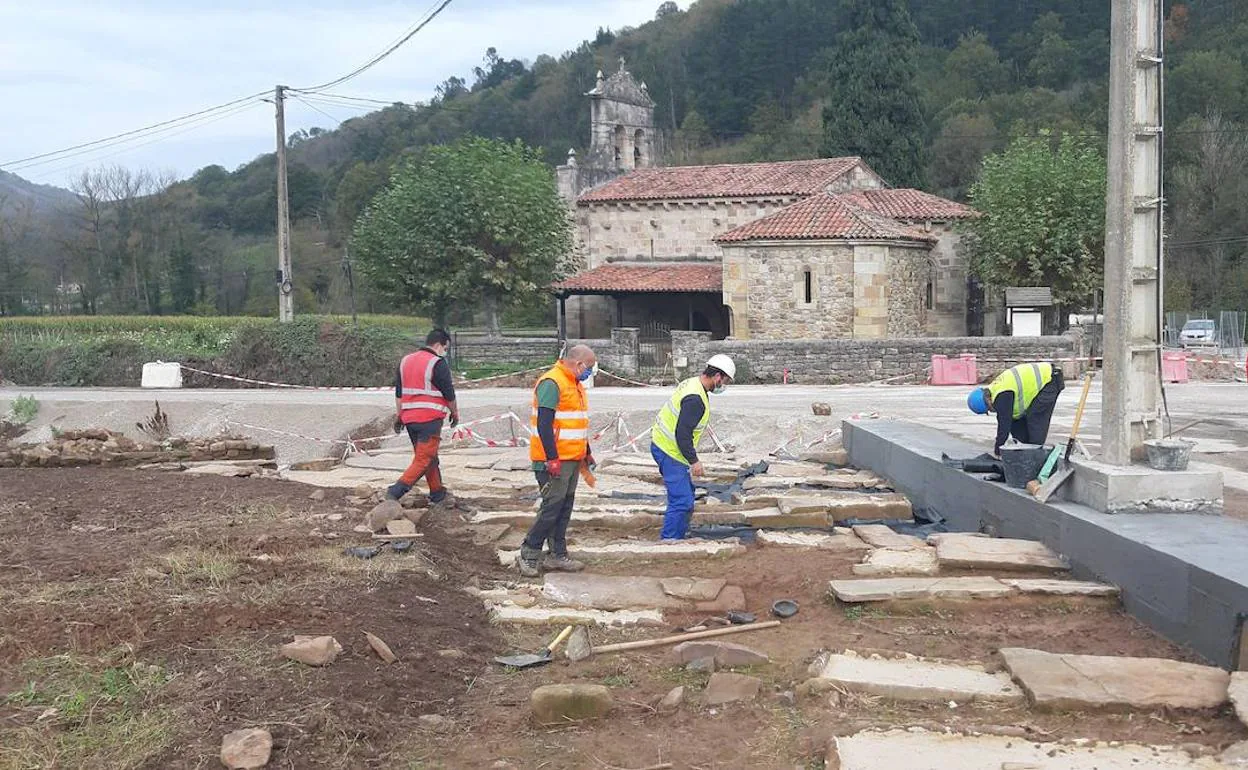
(285,284)
(1130,398)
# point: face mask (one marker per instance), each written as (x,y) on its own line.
(718,389)
(589,372)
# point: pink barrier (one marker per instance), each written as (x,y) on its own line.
(1174,367)
(962,370)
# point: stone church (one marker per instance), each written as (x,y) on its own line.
(808,249)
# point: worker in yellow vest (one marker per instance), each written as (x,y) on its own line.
(675,436)
(558,447)
(1023,398)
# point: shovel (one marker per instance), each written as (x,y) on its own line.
(539,658)
(1049,484)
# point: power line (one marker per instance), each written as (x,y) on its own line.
(173,122)
(379,57)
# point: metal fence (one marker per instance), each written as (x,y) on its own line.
(1226,338)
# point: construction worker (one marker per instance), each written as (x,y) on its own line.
(675,436)
(560,423)
(424,396)
(1023,398)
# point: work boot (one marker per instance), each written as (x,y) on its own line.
(528,568)
(562,563)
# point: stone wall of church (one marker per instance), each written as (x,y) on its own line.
(828,290)
(947,316)
(664,231)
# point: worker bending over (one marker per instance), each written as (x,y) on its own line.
(560,423)
(1023,398)
(675,436)
(424,396)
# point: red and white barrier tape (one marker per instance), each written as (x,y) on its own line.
(630,382)
(231,377)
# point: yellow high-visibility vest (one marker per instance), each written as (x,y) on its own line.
(1024,381)
(663,434)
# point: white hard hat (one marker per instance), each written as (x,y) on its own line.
(724,364)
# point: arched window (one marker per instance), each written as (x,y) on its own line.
(619,145)
(638,157)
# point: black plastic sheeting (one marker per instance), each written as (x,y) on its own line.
(984,464)
(726,492)
(924,523)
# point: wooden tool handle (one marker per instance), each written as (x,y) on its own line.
(1083,400)
(564,634)
(686,637)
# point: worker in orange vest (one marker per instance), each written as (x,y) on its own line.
(424,397)
(560,444)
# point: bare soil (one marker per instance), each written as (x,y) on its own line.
(202,578)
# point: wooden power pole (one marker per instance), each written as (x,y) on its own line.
(285,282)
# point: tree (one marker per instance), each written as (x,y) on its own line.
(666,9)
(476,221)
(974,70)
(958,153)
(874,109)
(1043,218)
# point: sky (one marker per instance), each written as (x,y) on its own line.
(73,71)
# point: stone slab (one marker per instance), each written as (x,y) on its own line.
(880,536)
(762,517)
(917,749)
(728,688)
(731,598)
(1050,587)
(848,505)
(725,654)
(636,519)
(1184,577)
(695,589)
(850,542)
(919,680)
(562,616)
(1238,693)
(798,469)
(997,554)
(607,592)
(768,481)
(1097,682)
(681,549)
(885,561)
(891,589)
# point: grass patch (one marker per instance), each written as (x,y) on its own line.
(78,712)
(197,568)
(23,410)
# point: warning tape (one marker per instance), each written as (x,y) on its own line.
(233,378)
(630,382)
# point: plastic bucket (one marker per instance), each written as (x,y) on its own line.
(1022,463)
(1168,454)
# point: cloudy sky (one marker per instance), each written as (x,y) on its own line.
(73,71)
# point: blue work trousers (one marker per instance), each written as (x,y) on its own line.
(679,495)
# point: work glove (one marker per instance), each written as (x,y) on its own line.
(590,463)
(554,468)
(398,425)
(454,419)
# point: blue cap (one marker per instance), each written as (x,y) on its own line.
(977,401)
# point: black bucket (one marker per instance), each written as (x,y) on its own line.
(1022,463)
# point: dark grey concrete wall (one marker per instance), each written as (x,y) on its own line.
(1184,575)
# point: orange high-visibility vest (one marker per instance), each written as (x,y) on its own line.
(421,400)
(571,418)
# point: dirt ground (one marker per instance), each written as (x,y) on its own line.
(141,612)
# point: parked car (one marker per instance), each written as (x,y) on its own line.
(1199,333)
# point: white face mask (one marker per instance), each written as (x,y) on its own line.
(719,388)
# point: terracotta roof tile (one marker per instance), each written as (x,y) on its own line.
(908,204)
(736,180)
(825,217)
(630,279)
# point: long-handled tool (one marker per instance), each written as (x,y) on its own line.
(1051,483)
(678,638)
(539,658)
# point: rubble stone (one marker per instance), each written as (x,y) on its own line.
(557,704)
(728,688)
(246,749)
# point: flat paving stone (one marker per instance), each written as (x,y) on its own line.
(889,589)
(849,542)
(770,516)
(919,680)
(1097,682)
(880,536)
(1051,587)
(728,688)
(613,519)
(681,549)
(885,561)
(997,553)
(922,750)
(848,505)
(562,616)
(1238,692)
(695,589)
(608,592)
